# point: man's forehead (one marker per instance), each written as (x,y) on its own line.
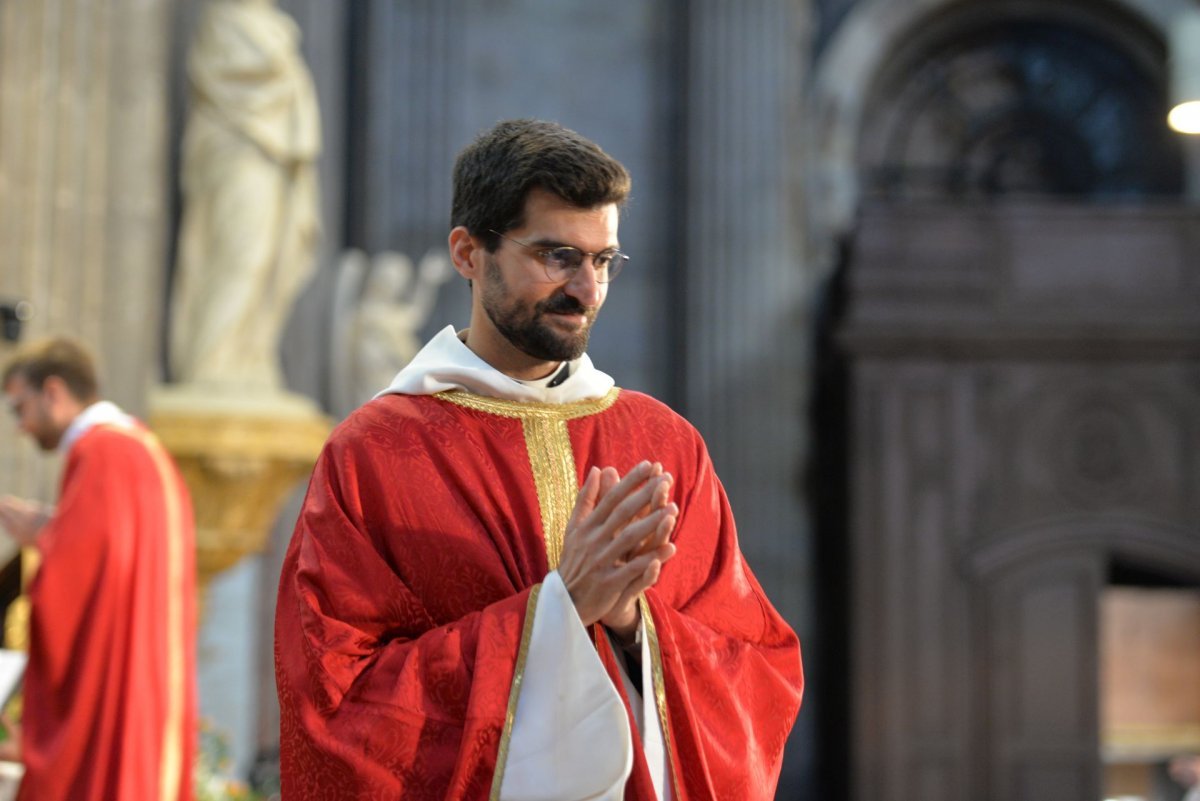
(549,218)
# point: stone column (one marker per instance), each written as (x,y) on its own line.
(408,91)
(743,286)
(83,190)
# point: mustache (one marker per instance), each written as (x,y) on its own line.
(564,304)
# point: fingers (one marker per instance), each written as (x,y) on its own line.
(644,500)
(643,535)
(617,538)
(642,573)
(662,533)
(632,481)
(585,501)
(609,478)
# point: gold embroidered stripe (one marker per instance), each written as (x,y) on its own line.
(551,458)
(660,689)
(514,694)
(553,463)
(171,758)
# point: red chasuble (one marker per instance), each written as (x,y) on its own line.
(408,589)
(109,711)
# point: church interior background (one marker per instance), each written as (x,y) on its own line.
(922,272)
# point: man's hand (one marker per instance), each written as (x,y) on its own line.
(10,749)
(1186,770)
(616,542)
(22,519)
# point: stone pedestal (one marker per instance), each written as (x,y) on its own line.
(240,456)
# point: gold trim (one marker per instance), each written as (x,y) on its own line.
(551,458)
(553,461)
(514,694)
(171,758)
(660,688)
(525,410)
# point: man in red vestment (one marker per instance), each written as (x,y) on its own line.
(510,579)
(109,698)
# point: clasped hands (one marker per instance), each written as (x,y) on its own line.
(616,543)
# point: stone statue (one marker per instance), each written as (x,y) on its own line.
(382,303)
(250,204)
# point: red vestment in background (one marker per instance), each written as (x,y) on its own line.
(405,590)
(109,700)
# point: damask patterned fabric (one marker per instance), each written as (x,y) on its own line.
(429,522)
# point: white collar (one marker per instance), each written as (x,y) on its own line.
(445,363)
(99,413)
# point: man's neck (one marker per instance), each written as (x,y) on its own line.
(506,358)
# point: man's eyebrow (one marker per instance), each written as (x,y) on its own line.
(549,243)
(554,243)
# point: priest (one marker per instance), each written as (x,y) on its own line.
(109,697)
(510,579)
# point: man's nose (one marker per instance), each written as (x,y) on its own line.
(583,285)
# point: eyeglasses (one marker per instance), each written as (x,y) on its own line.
(18,405)
(561,263)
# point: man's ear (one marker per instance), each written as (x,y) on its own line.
(465,253)
(62,403)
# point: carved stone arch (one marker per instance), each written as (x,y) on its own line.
(1013,429)
(848,71)
(1038,589)
(1158,545)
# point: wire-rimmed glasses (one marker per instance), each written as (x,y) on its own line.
(561,262)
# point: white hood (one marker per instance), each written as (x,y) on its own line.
(445,363)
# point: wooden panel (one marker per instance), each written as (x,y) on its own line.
(1043,686)
(1150,654)
(913,612)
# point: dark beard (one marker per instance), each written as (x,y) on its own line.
(529,333)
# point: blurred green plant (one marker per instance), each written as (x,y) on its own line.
(210,778)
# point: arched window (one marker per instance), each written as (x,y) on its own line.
(980,106)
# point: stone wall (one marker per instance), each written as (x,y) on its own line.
(83,190)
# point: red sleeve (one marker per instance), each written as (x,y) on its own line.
(732,671)
(378,698)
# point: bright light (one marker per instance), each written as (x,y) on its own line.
(1184,58)
(1185,117)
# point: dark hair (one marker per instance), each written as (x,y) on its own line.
(494,174)
(62,357)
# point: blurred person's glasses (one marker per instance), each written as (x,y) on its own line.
(562,262)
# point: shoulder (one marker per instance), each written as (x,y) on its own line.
(631,401)
(389,411)
(113,455)
(111,440)
(389,420)
(640,401)
(653,418)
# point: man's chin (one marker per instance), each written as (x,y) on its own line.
(569,335)
(558,348)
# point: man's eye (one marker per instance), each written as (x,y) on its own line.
(563,258)
(604,259)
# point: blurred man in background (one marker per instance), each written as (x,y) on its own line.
(109,697)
